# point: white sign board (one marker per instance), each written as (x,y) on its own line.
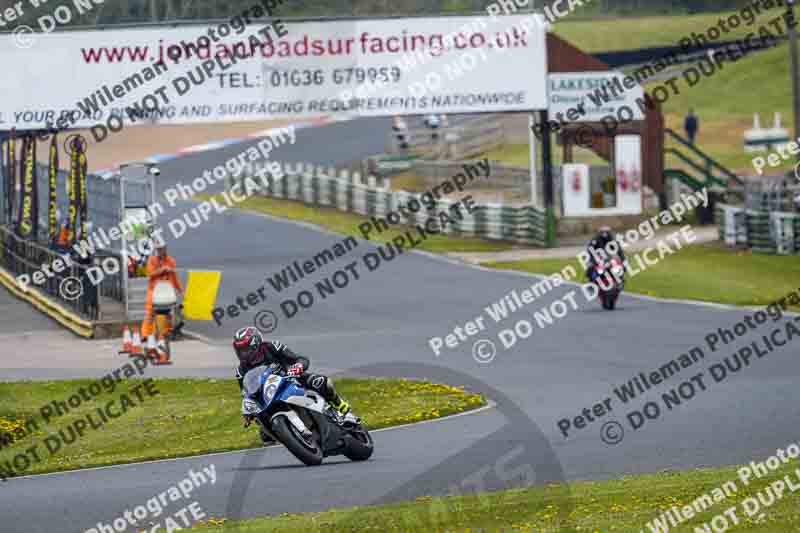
(575,189)
(590,96)
(628,160)
(352,68)
(627,196)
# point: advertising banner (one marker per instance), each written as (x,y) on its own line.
(28,225)
(19,193)
(73,189)
(82,167)
(341,68)
(4,172)
(12,175)
(590,96)
(53,191)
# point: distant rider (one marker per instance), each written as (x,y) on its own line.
(252,351)
(597,247)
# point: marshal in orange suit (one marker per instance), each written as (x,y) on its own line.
(160,267)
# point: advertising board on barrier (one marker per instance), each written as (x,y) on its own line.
(301,73)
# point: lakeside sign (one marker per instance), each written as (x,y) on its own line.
(590,96)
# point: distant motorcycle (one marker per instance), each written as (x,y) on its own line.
(610,279)
(301,419)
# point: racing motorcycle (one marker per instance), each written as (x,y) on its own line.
(610,279)
(301,419)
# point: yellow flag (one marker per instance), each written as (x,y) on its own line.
(201,294)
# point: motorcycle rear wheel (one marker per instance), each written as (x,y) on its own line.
(307,450)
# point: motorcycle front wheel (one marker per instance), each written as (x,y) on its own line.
(359,445)
(305,449)
(610,300)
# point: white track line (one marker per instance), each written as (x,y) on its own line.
(450,260)
(453,261)
(713,305)
(489,405)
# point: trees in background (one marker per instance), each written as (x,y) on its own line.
(133,11)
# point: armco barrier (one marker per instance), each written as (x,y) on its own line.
(762,231)
(18,256)
(62,315)
(347,192)
(466,138)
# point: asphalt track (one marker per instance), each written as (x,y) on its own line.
(17,317)
(386,317)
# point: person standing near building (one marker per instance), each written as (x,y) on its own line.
(691,125)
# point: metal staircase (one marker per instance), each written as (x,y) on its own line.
(705,170)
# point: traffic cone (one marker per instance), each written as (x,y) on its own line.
(163,352)
(127,341)
(136,344)
(152,351)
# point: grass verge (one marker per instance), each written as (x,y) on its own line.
(640,32)
(623,505)
(723,120)
(186,417)
(726,102)
(706,273)
(347,224)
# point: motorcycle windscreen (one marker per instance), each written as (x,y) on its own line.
(252,380)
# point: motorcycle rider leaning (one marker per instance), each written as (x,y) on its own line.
(597,247)
(252,351)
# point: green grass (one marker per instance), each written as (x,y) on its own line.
(189,417)
(725,101)
(707,273)
(623,505)
(519,155)
(640,32)
(347,224)
(738,89)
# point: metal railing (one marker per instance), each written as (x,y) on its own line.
(77,285)
(709,164)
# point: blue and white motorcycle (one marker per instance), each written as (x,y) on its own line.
(301,419)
